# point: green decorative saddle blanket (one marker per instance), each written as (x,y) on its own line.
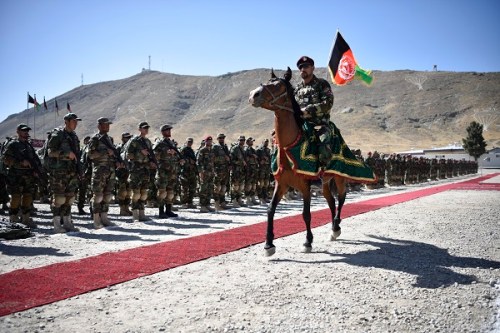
(302,157)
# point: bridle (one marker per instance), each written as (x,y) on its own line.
(272,103)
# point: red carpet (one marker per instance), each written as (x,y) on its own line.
(27,288)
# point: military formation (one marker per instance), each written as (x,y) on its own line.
(135,173)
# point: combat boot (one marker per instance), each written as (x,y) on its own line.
(235,203)
(135,215)
(161,212)
(56,220)
(210,209)
(124,211)
(28,221)
(81,211)
(142,216)
(218,207)
(168,211)
(105,220)
(68,224)
(204,209)
(97,221)
(13,218)
(255,201)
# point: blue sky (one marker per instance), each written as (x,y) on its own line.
(46,45)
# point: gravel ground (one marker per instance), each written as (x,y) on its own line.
(427,265)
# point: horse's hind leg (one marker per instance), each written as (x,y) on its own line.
(342,191)
(328,187)
(278,193)
(306,215)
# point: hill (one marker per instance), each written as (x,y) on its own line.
(402,110)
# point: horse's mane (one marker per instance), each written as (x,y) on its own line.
(295,106)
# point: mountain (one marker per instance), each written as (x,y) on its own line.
(401,110)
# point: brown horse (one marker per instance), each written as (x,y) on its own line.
(277,96)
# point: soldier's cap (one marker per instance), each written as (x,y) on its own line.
(369,153)
(23,127)
(103,120)
(165,127)
(190,139)
(126,135)
(71,116)
(144,124)
(303,61)
(242,138)
(208,138)
(250,139)
(221,136)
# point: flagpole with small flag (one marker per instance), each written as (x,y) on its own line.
(56,113)
(342,65)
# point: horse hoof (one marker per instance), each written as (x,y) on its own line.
(307,249)
(269,251)
(335,235)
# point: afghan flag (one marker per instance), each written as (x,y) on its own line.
(45,104)
(342,65)
(57,107)
(68,107)
(31,100)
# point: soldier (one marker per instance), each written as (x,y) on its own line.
(238,165)
(205,162)
(169,161)
(64,171)
(188,174)
(251,172)
(105,160)
(222,168)
(84,182)
(142,163)
(315,98)
(24,168)
(123,191)
(264,160)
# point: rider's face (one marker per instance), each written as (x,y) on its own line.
(306,71)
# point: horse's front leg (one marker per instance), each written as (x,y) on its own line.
(269,248)
(306,215)
(336,220)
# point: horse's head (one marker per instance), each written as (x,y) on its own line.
(276,94)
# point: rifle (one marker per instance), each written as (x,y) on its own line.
(76,151)
(113,148)
(151,154)
(34,162)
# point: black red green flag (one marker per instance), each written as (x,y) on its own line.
(342,65)
(68,107)
(31,100)
(45,104)
(57,107)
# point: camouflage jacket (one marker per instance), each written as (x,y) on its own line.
(60,145)
(205,160)
(16,151)
(222,156)
(134,154)
(316,98)
(167,154)
(190,160)
(238,156)
(98,150)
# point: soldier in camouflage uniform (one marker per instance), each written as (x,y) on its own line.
(105,160)
(4,195)
(123,191)
(205,162)
(23,171)
(315,98)
(64,171)
(238,165)
(188,174)
(169,162)
(264,160)
(251,172)
(222,168)
(142,162)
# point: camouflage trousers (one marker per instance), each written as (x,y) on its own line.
(237,182)
(83,189)
(251,176)
(123,191)
(221,181)
(139,184)
(263,178)
(63,185)
(206,188)
(103,184)
(21,185)
(4,196)
(189,184)
(165,182)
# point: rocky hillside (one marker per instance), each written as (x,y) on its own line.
(402,110)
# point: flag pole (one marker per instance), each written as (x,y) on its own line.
(34,115)
(27,108)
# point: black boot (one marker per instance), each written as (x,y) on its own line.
(161,212)
(81,211)
(169,212)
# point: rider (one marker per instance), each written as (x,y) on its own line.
(315,98)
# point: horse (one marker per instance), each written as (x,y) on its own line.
(277,96)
